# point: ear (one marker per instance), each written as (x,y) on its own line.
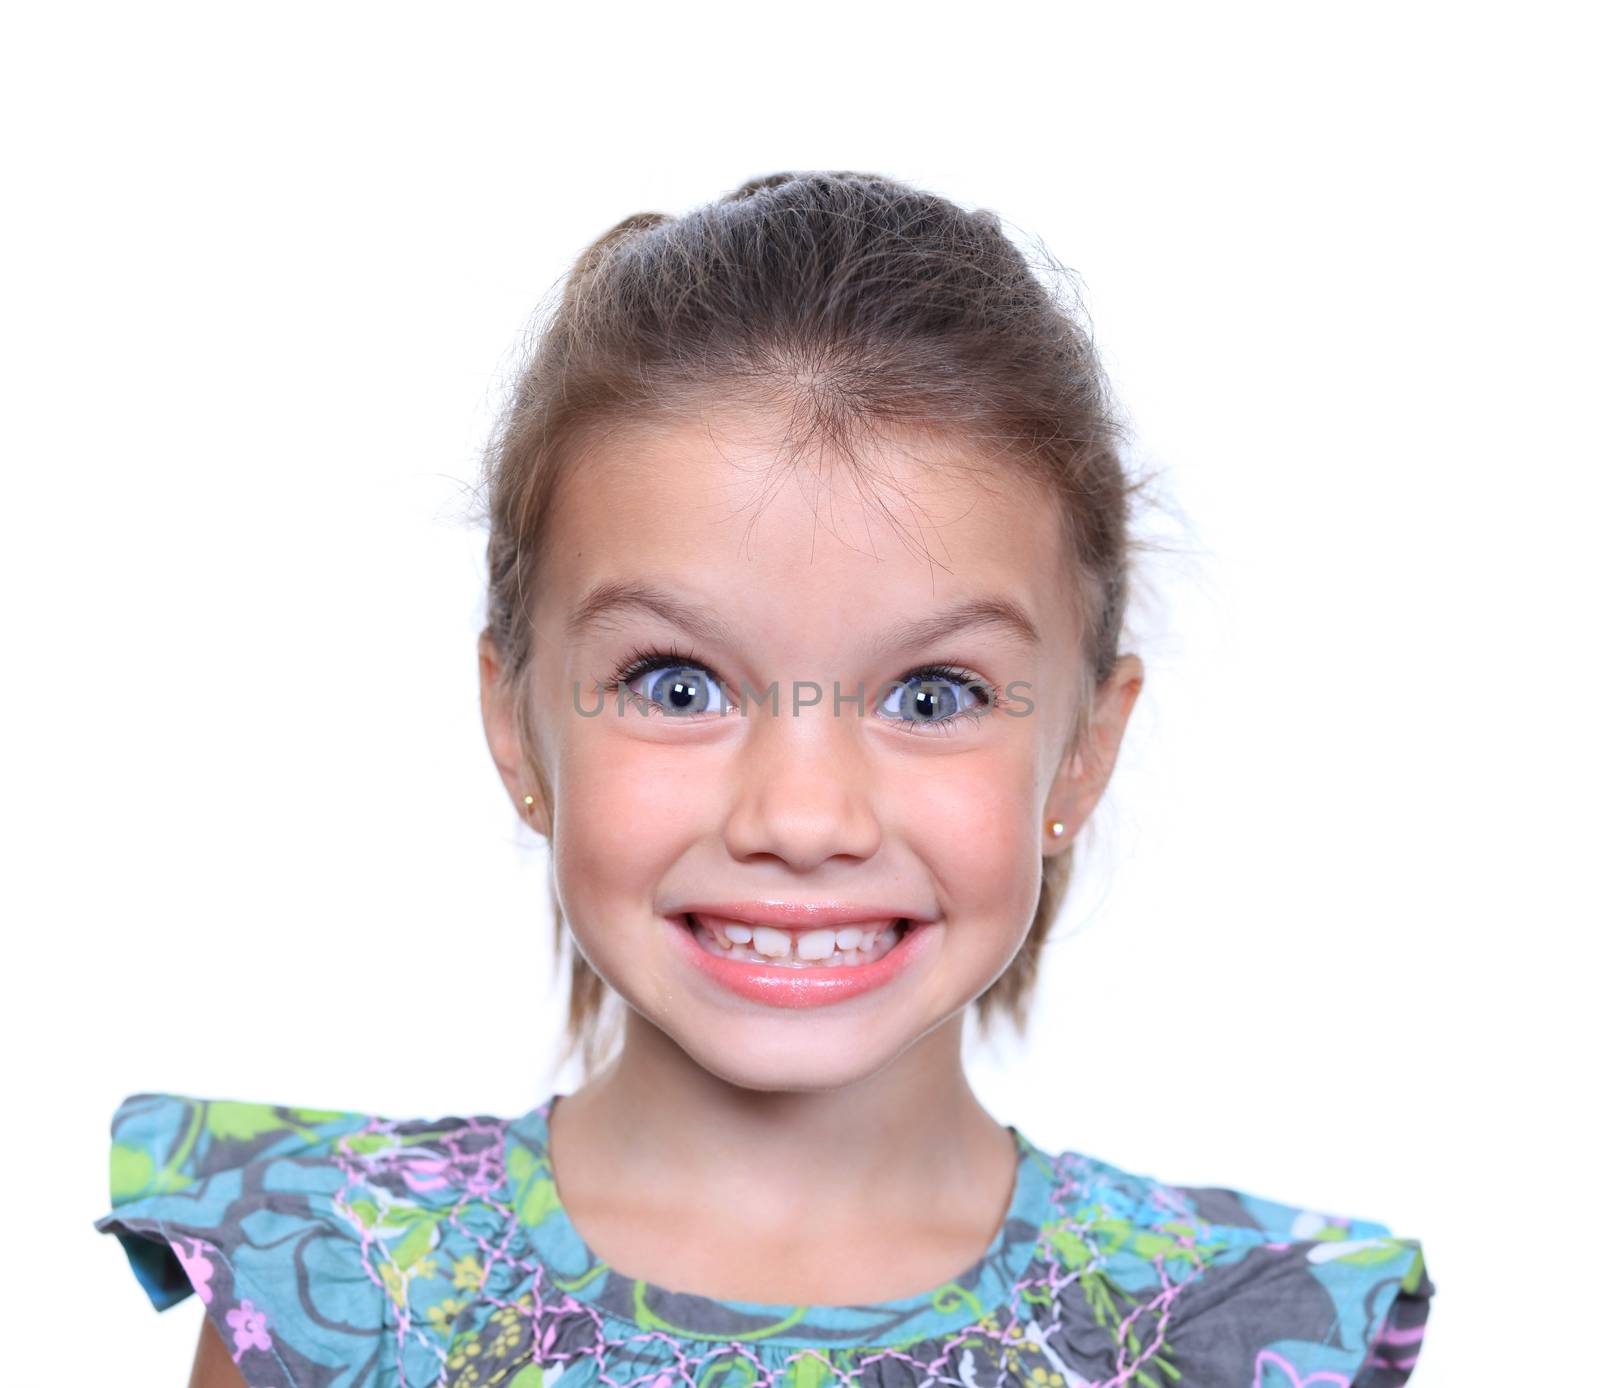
(1083,779)
(505,739)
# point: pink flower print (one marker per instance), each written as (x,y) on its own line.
(425,1173)
(249,1328)
(1274,1371)
(196,1266)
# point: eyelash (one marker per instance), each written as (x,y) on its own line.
(644,660)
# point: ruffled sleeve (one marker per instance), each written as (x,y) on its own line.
(1300,1297)
(247,1206)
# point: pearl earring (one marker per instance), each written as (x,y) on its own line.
(1057,828)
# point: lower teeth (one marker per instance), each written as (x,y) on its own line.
(847,958)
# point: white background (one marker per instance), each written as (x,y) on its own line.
(266,271)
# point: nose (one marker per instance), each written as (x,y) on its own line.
(804,790)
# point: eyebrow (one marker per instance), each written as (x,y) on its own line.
(989,611)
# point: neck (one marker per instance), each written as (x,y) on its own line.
(908,1146)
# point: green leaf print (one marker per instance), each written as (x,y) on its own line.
(226,1118)
(528,1376)
(727,1372)
(365,1144)
(1373,1253)
(1413,1278)
(132,1170)
(951,1295)
(537,1201)
(1110,1233)
(810,1370)
(1147,1245)
(532,1195)
(1099,1235)
(1073,1250)
(1137,1346)
(1100,1295)
(416,1243)
(1036,1296)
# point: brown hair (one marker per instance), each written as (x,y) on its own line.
(852,304)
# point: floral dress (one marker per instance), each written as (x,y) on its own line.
(345,1250)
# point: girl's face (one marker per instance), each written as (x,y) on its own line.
(793,575)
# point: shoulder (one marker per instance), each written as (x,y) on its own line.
(316,1238)
(1223,1285)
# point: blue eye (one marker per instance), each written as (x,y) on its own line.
(674,683)
(939,696)
(932,698)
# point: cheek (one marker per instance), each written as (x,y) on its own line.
(972,824)
(625,810)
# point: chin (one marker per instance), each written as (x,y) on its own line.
(785,1072)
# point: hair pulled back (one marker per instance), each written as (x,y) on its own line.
(845,305)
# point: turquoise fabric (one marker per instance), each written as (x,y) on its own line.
(346,1250)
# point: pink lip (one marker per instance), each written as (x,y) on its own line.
(777,986)
(799,915)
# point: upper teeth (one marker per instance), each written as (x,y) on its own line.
(776,943)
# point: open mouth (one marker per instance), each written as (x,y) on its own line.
(846,947)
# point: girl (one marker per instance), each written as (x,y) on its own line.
(808,554)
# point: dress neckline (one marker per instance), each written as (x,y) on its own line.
(572,1267)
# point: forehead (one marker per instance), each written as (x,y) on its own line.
(807,547)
